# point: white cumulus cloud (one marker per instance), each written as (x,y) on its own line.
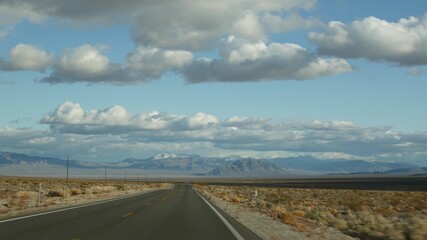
(403,42)
(84,60)
(27,57)
(87,63)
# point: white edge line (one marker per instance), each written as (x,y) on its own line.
(231,228)
(75,207)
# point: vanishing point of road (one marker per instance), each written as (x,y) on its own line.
(178,213)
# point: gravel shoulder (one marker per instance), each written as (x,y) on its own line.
(268,228)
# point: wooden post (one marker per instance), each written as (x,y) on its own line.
(67,168)
(40,195)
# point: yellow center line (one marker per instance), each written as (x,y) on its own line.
(167,196)
(127,214)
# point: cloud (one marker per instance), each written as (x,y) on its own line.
(85,60)
(71,117)
(243,61)
(117,127)
(180,24)
(332,125)
(151,63)
(291,22)
(174,25)
(86,63)
(166,33)
(36,11)
(27,57)
(11,14)
(249,27)
(402,42)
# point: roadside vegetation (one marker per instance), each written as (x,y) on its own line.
(362,214)
(21,195)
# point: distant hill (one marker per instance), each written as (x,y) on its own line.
(310,163)
(247,167)
(416,170)
(8,158)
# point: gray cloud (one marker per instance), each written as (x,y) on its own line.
(403,42)
(175,25)
(109,11)
(242,61)
(88,64)
(180,24)
(151,63)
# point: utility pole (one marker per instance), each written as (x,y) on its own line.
(137,177)
(67,168)
(125,175)
(105,174)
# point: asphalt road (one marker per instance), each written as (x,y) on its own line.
(179,213)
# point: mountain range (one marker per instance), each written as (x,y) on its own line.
(310,163)
(249,166)
(233,165)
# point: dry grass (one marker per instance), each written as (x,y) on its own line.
(21,195)
(363,214)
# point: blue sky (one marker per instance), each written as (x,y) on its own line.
(283,78)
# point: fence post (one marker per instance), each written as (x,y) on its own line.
(40,195)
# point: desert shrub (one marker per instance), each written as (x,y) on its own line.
(121,187)
(102,189)
(417,228)
(54,193)
(298,213)
(75,191)
(354,203)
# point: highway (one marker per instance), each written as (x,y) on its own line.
(178,213)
